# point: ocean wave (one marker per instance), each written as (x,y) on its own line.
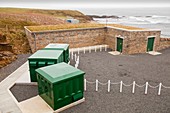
(155,19)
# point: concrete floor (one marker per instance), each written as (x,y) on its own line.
(128,68)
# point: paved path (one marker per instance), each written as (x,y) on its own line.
(7,102)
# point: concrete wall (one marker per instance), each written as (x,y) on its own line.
(133,41)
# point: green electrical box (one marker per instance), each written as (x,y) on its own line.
(43,58)
(60,84)
(59,46)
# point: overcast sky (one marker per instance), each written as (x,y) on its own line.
(53,4)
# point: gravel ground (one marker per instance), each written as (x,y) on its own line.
(138,67)
(7,70)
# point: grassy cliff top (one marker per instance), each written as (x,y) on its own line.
(81,25)
(63,14)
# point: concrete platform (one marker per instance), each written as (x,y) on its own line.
(115,52)
(154,53)
(24,78)
(38,105)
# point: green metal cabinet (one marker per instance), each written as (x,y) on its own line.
(150,44)
(43,58)
(59,46)
(119,44)
(60,84)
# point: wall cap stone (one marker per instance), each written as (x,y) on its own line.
(133,30)
(75,29)
(63,30)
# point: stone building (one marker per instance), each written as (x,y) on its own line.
(127,40)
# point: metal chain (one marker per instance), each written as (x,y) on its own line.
(140,85)
(153,86)
(103,83)
(127,85)
(165,86)
(115,83)
(90,82)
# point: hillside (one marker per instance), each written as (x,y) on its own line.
(59,14)
(13,40)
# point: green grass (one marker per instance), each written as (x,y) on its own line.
(12,22)
(13,31)
(19,24)
(62,26)
(73,26)
(55,13)
(13,10)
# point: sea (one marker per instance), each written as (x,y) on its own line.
(153,18)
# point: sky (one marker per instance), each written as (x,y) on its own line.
(67,4)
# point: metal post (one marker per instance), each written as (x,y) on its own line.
(159,91)
(75,57)
(89,49)
(121,84)
(85,85)
(76,65)
(108,85)
(146,88)
(105,47)
(97,83)
(100,48)
(133,88)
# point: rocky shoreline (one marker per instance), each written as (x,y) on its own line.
(103,16)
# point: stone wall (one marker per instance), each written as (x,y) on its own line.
(137,43)
(31,39)
(74,37)
(134,41)
(164,43)
(111,38)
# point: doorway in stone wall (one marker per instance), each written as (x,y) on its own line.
(119,44)
(150,44)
